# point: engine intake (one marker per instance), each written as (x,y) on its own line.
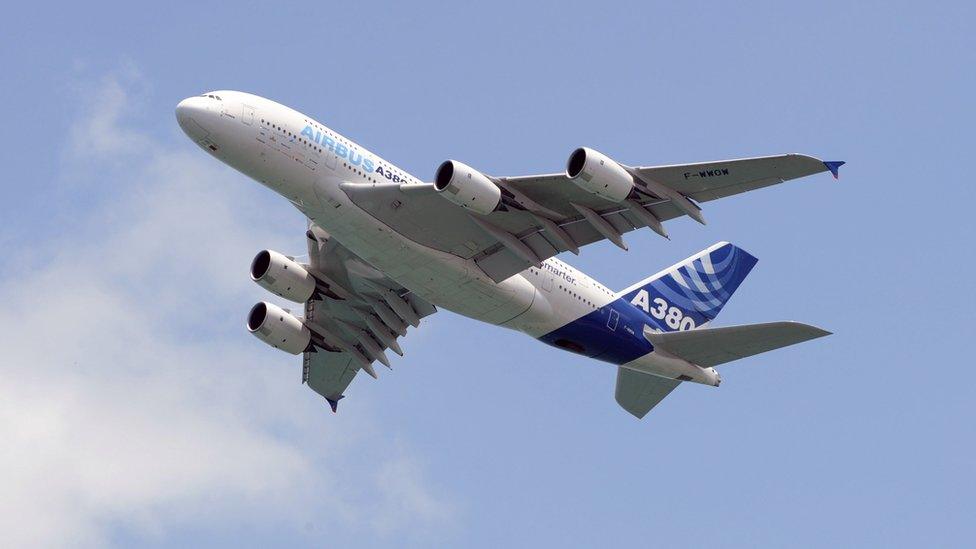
(278,328)
(596,173)
(282,276)
(467,187)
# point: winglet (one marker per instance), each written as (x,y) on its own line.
(334,403)
(834,167)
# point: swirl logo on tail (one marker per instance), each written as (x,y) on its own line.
(692,292)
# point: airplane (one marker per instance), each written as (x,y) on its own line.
(386,249)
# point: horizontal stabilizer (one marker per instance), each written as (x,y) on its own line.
(638,392)
(708,347)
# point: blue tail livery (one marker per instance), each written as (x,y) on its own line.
(682,297)
(691,293)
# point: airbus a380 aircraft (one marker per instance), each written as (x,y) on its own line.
(385,248)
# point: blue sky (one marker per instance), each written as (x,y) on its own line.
(136,410)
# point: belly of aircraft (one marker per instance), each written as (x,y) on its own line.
(443,279)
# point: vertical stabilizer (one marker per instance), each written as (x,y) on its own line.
(691,293)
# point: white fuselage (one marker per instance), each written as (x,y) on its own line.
(264,140)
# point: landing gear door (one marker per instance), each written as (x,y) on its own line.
(247,115)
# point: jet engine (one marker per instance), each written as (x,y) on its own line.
(282,276)
(596,173)
(278,328)
(467,187)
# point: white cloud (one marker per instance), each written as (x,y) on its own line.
(406,499)
(130,396)
(101,133)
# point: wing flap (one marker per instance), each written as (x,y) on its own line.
(708,347)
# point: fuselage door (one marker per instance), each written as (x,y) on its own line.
(546,280)
(613,320)
(247,115)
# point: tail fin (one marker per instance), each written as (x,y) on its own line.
(691,293)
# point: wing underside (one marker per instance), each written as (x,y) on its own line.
(357,319)
(545,215)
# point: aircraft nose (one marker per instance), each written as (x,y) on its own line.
(191,106)
(190,113)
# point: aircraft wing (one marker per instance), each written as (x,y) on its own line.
(358,320)
(548,214)
(711,180)
(328,374)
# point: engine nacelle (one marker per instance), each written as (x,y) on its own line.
(278,328)
(467,187)
(282,276)
(596,173)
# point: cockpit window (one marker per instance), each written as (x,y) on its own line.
(211,96)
